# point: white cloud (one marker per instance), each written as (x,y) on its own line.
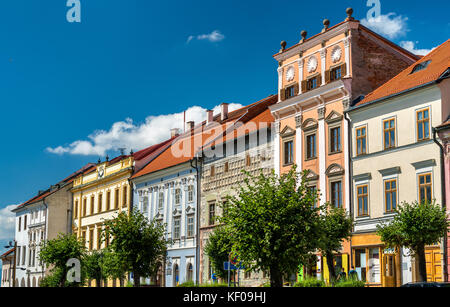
(213,37)
(127,134)
(411,47)
(7,223)
(390,25)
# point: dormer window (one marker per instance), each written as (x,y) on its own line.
(420,66)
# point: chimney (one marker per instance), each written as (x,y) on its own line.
(210,116)
(174,132)
(190,126)
(224,114)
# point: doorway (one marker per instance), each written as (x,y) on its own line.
(389,270)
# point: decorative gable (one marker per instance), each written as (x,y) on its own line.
(334,117)
(335,170)
(311,176)
(309,124)
(287,132)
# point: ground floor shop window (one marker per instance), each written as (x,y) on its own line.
(367,264)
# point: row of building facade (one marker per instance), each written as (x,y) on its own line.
(368,120)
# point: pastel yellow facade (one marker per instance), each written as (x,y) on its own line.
(100,195)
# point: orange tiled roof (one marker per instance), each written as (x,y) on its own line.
(256,111)
(440,63)
(7,253)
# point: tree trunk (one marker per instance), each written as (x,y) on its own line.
(137,280)
(97,283)
(422,263)
(330,264)
(276,278)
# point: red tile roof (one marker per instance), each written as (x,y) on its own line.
(406,80)
(7,253)
(85,169)
(256,111)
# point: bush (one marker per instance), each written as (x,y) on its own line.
(188,284)
(310,283)
(350,283)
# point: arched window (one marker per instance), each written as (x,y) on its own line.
(176,275)
(190,272)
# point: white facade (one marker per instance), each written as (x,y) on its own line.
(30,233)
(170,196)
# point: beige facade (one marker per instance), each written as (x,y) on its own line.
(393,166)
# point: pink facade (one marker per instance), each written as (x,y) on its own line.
(444,135)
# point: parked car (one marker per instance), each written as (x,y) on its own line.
(427,285)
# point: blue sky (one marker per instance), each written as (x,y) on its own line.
(71,92)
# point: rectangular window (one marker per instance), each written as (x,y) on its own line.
(177,196)
(100,203)
(313,191)
(116,199)
(389,133)
(363,200)
(75,210)
(288,152)
(390,192)
(18,255)
(108,200)
(124,198)
(425,188)
(20,223)
(311,83)
(24,254)
(190,193)
(25,222)
(92,204)
(84,207)
(361,141)
(212,214)
(336,73)
(423,125)
(190,226)
(311,146)
(91,239)
(145,205)
(176,228)
(290,92)
(335,140)
(336,194)
(99,238)
(161,201)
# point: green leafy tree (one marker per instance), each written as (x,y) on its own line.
(335,226)
(415,226)
(113,266)
(218,248)
(139,245)
(57,253)
(94,266)
(273,223)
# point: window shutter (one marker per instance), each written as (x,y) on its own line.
(319,80)
(304,85)
(296,89)
(283,94)
(344,69)
(327,76)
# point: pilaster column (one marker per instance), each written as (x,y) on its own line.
(280,81)
(323,56)
(322,154)
(276,147)
(299,142)
(347,55)
(300,74)
(347,155)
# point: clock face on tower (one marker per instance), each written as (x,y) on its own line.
(336,54)
(312,64)
(290,74)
